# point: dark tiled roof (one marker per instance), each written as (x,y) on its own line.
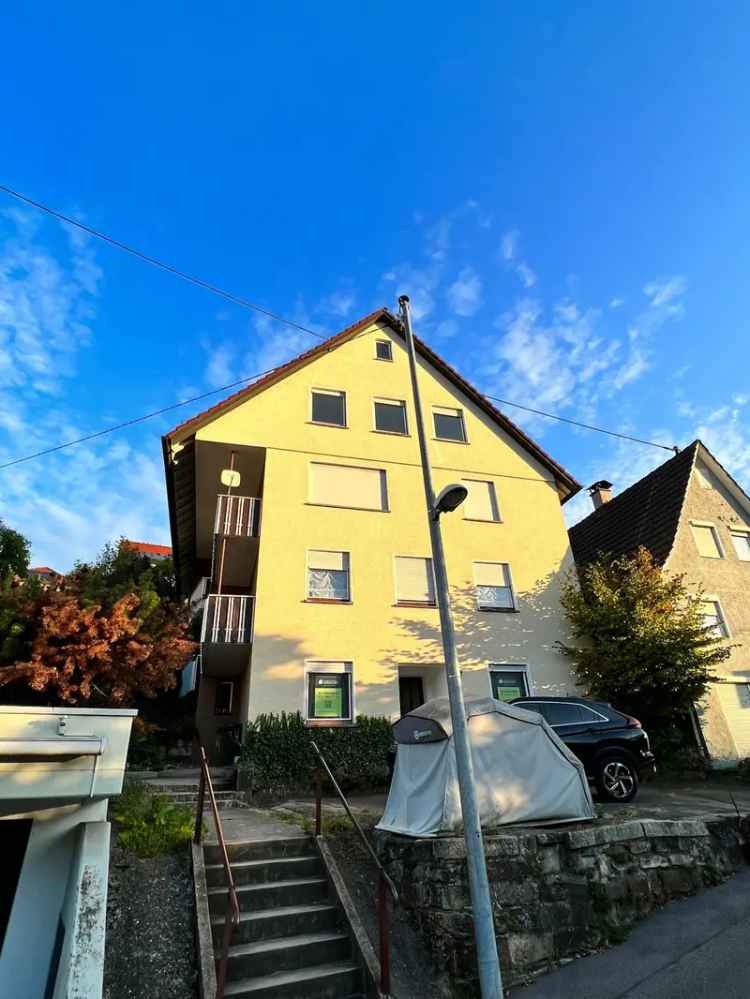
(647,513)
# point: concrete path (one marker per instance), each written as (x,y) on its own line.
(696,948)
(252,825)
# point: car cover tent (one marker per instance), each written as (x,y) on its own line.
(522,771)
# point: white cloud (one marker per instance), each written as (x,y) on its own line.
(465,294)
(508,244)
(525,273)
(665,290)
(221,368)
(615,303)
(509,253)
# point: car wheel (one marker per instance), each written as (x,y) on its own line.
(616,778)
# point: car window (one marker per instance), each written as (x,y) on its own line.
(531,706)
(559,713)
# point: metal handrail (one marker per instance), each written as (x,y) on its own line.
(385,884)
(232,916)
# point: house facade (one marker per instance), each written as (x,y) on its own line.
(695,519)
(300,533)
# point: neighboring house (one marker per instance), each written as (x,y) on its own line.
(325,604)
(157,553)
(58,768)
(46,574)
(695,519)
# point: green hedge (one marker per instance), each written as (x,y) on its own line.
(277,755)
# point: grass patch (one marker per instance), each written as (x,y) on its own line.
(149,823)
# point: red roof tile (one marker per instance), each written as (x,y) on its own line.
(147,548)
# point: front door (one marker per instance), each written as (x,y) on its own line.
(410,692)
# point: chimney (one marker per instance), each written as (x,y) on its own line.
(600,493)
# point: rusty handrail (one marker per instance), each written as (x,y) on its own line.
(232,915)
(385,884)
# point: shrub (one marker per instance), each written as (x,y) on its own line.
(149,823)
(277,755)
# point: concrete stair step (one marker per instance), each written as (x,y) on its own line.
(265,870)
(265,957)
(284,921)
(271,894)
(260,850)
(338,980)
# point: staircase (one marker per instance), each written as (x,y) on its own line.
(181,787)
(292,941)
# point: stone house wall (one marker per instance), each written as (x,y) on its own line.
(556,893)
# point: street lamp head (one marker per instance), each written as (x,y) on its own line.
(450,497)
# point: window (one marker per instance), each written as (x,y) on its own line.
(706,540)
(564,713)
(328,692)
(449,424)
(329,407)
(415,580)
(348,486)
(384,350)
(328,576)
(713,618)
(390,416)
(223,698)
(741,542)
(481,503)
(509,683)
(493,586)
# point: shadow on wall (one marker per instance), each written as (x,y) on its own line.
(492,636)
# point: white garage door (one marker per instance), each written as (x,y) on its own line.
(735,703)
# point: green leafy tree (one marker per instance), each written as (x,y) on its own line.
(14,552)
(640,638)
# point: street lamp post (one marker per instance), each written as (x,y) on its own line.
(452,496)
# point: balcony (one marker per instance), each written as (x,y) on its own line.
(226,633)
(237,516)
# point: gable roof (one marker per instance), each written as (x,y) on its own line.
(567,485)
(646,513)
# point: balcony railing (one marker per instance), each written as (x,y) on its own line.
(237,516)
(228,619)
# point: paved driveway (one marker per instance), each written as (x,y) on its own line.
(663,800)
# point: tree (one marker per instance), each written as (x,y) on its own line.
(642,643)
(112,633)
(14,552)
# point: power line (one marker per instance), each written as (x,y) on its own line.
(136,419)
(585,426)
(244,303)
(228,295)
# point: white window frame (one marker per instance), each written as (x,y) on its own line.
(494,610)
(328,391)
(390,402)
(707,598)
(449,411)
(412,603)
(489,482)
(717,539)
(390,349)
(495,667)
(332,666)
(322,600)
(734,531)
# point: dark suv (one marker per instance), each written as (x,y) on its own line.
(612,746)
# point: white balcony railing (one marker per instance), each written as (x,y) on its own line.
(237,516)
(228,619)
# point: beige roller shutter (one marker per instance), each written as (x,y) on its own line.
(328,560)
(481,503)
(415,582)
(705,540)
(735,703)
(348,485)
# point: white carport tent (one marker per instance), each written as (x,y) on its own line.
(523,772)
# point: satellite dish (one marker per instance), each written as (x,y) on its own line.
(230,478)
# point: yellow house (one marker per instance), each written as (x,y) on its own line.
(299,526)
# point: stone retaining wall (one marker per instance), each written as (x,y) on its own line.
(556,893)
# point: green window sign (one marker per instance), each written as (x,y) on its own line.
(329,695)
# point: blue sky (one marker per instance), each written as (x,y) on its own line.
(562,190)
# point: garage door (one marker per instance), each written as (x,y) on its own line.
(735,703)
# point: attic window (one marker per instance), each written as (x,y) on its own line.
(329,407)
(383,350)
(706,540)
